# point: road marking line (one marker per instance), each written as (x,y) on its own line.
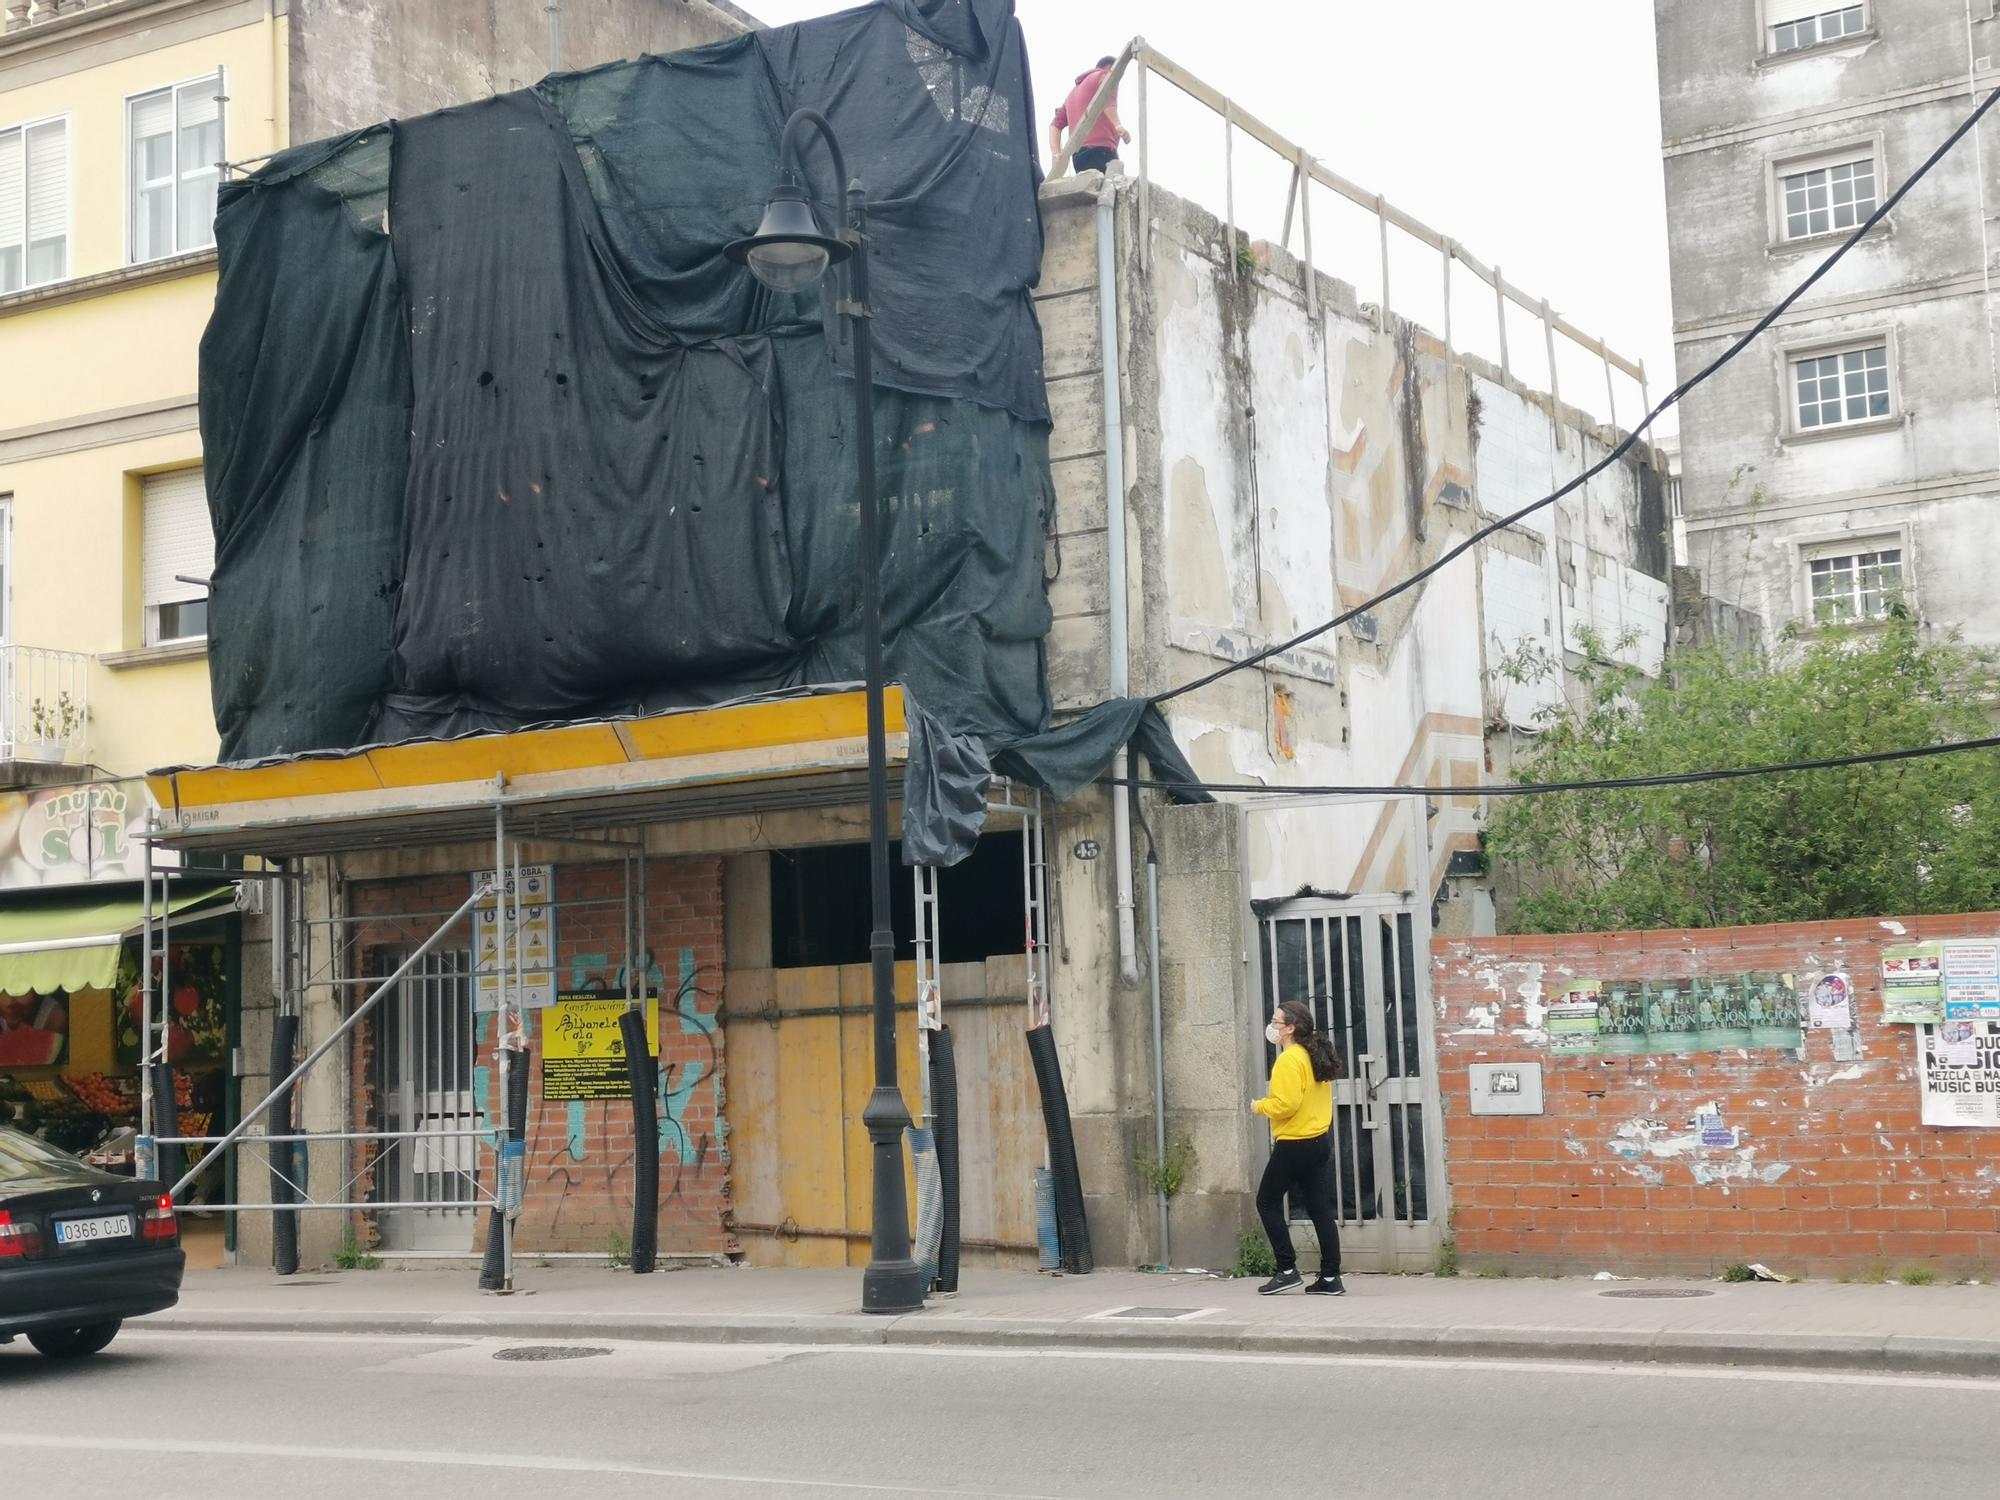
(445,1458)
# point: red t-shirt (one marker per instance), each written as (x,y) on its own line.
(1072,109)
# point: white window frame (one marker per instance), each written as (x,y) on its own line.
(1808,548)
(154,637)
(221,77)
(1767,31)
(1866,338)
(28,283)
(6,570)
(1778,168)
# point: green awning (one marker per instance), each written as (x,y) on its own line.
(72,944)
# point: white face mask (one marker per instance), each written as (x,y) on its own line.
(1272,1035)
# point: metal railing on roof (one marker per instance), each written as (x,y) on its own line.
(1305,171)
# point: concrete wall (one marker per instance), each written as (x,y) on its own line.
(358,61)
(1818,1161)
(1926,477)
(1282,464)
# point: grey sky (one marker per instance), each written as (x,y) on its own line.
(1528,130)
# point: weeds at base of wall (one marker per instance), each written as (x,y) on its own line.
(1738,1272)
(1254,1256)
(617,1250)
(1492,1271)
(1917,1276)
(351,1257)
(1168,1174)
(1446,1265)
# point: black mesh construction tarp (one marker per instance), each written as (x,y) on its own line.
(496,435)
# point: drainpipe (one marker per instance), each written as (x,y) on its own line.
(1114,539)
(1159,1043)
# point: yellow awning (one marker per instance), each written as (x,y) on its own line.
(71,943)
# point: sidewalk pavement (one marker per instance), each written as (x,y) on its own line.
(1933,1329)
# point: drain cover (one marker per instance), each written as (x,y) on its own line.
(535,1353)
(1157,1314)
(1659,1292)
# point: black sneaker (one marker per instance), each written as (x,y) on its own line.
(1327,1286)
(1284,1281)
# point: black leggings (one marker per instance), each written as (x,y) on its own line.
(1304,1168)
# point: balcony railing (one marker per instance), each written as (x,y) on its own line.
(44,706)
(27,12)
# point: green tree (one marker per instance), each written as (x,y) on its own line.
(1908,836)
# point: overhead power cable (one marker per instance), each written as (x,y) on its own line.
(1538,788)
(1452,554)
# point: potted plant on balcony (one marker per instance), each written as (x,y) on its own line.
(51,724)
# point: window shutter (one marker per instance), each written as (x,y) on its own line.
(1777,12)
(177,537)
(151,116)
(13,185)
(48,181)
(199,106)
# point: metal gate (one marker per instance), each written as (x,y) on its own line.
(427,1099)
(1361,965)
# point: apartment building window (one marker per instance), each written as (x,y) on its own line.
(1840,387)
(1854,582)
(1795,26)
(34,204)
(177,543)
(1826,197)
(174,156)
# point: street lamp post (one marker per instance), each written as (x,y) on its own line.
(789,253)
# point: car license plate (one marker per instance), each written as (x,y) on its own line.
(89,1231)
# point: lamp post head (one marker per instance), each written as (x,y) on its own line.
(788,253)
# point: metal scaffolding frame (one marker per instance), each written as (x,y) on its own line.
(497,1178)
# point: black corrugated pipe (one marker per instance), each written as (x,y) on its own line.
(166,1122)
(643,1071)
(1071,1226)
(493,1264)
(944,1123)
(284,1221)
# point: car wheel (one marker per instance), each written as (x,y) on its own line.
(74,1343)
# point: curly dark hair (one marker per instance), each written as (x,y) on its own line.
(1320,1051)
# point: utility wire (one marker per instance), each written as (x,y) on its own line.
(1452,554)
(1537,788)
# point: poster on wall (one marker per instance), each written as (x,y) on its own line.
(1972,980)
(1572,1019)
(1830,1006)
(531,939)
(583,1051)
(34,1030)
(191,998)
(1621,1020)
(1959,1064)
(1913,983)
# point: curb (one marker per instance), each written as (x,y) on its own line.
(1872,1354)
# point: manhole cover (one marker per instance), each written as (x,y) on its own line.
(1659,1292)
(535,1353)
(1157,1314)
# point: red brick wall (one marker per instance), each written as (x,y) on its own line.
(580,1157)
(1833,1173)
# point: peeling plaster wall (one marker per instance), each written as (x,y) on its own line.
(1280,466)
(1829,1169)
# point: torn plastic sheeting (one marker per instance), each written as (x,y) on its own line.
(1064,760)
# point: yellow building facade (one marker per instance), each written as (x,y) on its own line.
(143,103)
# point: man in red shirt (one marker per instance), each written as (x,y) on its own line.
(1100,147)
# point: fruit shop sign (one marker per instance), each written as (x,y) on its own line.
(74,834)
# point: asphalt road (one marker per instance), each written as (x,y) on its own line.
(212,1417)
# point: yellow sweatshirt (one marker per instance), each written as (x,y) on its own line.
(1298,1107)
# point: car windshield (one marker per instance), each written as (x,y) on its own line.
(23,1157)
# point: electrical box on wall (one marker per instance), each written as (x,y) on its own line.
(1506,1088)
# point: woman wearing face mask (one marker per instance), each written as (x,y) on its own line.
(1300,1109)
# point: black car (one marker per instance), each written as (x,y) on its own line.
(80,1250)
